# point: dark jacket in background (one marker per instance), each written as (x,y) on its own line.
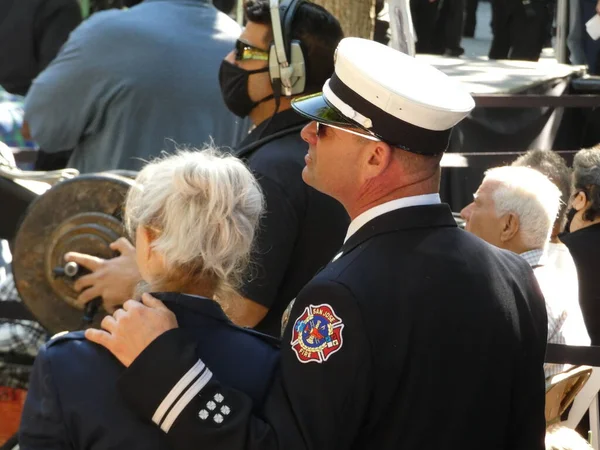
(584,245)
(31,34)
(73,401)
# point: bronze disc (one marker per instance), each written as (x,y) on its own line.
(84,215)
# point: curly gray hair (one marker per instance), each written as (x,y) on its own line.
(205,207)
(586,178)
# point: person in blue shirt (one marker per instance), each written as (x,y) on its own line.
(129,83)
(73,400)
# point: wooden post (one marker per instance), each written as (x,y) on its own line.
(357,17)
(85,8)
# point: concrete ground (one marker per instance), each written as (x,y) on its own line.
(480,44)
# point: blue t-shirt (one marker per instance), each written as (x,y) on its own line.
(128,84)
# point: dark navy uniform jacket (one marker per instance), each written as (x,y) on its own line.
(418,336)
(73,402)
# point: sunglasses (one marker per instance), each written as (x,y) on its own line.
(247,52)
(321,127)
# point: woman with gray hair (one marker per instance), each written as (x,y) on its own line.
(193,216)
(583,239)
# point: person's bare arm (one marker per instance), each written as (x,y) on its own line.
(112,279)
(115,280)
(244,312)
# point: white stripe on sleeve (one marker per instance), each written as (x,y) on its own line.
(186,399)
(176,391)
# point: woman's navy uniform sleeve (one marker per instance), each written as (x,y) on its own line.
(42,422)
(317,399)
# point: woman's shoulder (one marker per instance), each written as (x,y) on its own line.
(72,348)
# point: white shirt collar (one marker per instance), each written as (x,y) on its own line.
(370,214)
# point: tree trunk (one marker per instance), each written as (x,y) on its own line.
(357,17)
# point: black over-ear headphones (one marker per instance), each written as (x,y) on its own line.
(286,59)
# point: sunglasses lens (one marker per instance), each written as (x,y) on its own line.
(244,52)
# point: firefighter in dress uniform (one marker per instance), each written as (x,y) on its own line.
(416,335)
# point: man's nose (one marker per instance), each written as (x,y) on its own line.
(309,133)
(466,212)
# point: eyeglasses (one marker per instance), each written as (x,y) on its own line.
(322,126)
(247,52)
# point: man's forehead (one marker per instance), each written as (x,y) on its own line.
(487,187)
(485,191)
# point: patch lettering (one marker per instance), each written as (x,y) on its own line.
(317,334)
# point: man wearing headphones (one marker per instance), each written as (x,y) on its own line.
(285,50)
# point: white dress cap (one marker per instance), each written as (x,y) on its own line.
(402,85)
(392,96)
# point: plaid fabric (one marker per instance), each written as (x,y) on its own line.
(534,257)
(20,341)
(557,314)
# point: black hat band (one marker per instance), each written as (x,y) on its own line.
(390,129)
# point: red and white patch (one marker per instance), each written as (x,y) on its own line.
(317,334)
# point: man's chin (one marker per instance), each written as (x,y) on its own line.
(307,176)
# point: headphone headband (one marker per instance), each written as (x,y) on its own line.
(289,12)
(286,61)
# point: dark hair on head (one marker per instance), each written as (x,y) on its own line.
(555,168)
(586,178)
(318,31)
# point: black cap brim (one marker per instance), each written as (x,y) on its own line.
(316,108)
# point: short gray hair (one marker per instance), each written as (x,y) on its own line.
(205,206)
(551,164)
(531,196)
(586,177)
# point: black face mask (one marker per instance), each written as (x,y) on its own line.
(572,211)
(234,88)
(570,215)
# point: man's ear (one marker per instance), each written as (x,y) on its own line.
(510,227)
(579,201)
(379,156)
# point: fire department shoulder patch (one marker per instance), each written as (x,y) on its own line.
(317,334)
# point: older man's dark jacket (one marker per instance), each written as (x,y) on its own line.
(31,34)
(73,401)
(417,336)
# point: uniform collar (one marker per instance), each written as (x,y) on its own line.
(182,304)
(370,214)
(406,218)
(195,303)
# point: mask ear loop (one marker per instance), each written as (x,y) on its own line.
(277,97)
(572,210)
